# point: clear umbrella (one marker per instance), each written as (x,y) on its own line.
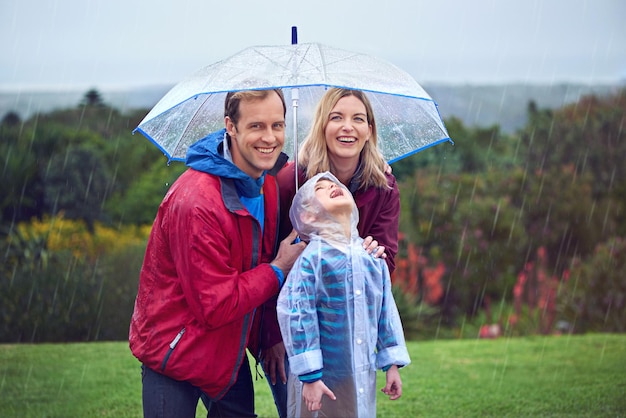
(407,117)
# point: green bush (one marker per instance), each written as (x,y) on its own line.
(420,321)
(121,271)
(594,297)
(51,301)
(59,282)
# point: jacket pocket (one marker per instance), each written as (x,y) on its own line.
(173,345)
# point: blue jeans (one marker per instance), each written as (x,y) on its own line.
(279,391)
(164,397)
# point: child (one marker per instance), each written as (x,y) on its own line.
(336,312)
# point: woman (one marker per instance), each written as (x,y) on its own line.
(343,140)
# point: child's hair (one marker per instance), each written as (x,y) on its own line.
(309,217)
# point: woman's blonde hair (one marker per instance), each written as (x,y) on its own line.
(313,155)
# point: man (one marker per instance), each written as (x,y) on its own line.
(208,266)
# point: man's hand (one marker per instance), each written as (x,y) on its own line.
(393,388)
(312,394)
(288,252)
(274,360)
(371,247)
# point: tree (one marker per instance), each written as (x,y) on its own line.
(138,203)
(76,183)
(469,222)
(21,194)
(588,135)
(11,119)
(560,214)
(92,98)
(35,149)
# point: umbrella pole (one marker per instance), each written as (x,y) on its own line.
(294,105)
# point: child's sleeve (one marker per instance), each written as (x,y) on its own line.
(390,345)
(297,317)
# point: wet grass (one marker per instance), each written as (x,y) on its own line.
(566,376)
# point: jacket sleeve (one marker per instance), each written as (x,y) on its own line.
(286,190)
(297,315)
(390,346)
(270,330)
(382,219)
(210,246)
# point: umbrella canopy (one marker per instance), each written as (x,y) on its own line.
(407,118)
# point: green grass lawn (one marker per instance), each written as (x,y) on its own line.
(565,376)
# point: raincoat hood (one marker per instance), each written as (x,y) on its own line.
(309,217)
(207,155)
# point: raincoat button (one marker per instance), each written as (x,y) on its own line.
(358,293)
(359,341)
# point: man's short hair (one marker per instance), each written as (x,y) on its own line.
(233,98)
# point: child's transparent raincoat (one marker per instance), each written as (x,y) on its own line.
(337,313)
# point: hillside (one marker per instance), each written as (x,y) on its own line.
(475,105)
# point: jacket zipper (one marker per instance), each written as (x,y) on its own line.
(172,347)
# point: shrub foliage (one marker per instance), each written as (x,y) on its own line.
(523,231)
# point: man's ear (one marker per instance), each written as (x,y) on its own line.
(231,129)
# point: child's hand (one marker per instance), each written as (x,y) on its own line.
(312,394)
(393,388)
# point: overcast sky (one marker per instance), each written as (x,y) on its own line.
(120,43)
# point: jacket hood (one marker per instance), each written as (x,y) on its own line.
(207,155)
(310,218)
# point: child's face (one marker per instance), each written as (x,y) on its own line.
(333,198)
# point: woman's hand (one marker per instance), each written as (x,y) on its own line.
(371,247)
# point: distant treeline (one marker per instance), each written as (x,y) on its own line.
(474,104)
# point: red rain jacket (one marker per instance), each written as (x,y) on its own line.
(201,280)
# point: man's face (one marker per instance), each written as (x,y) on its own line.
(259,136)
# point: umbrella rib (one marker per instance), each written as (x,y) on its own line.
(323,61)
(272,60)
(190,122)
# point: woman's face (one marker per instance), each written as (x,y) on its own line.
(347,129)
